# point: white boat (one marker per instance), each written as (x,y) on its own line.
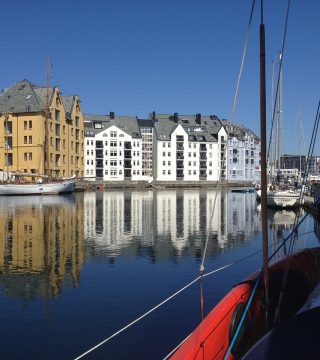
(50,188)
(281,198)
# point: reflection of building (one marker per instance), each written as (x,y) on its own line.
(170,221)
(42,236)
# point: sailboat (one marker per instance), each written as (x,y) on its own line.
(252,321)
(276,195)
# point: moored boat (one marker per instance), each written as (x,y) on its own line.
(50,188)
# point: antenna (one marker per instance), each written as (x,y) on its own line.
(48,78)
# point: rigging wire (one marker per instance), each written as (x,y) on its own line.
(202,268)
(278,78)
(242,63)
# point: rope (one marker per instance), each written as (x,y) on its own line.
(243,315)
(242,62)
(184,288)
(148,312)
(278,79)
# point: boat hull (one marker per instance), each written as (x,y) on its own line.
(61,187)
(281,199)
(211,339)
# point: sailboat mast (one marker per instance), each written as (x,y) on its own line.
(46,119)
(264,224)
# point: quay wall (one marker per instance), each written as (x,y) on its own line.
(105,185)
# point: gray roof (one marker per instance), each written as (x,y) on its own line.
(25,96)
(128,124)
(238,131)
(22,97)
(68,104)
(199,128)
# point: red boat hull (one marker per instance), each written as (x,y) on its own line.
(212,337)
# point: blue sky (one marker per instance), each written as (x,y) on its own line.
(137,56)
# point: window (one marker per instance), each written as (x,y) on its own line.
(106,143)
(88,152)
(194,172)
(164,145)
(113,134)
(163,163)
(163,172)
(113,143)
(169,154)
(30,139)
(64,131)
(25,123)
(189,172)
(169,163)
(77,121)
(169,172)
(30,124)
(30,155)
(25,140)
(113,153)
(164,154)
(25,156)
(51,141)
(189,154)
(57,115)
(189,163)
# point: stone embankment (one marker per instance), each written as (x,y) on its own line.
(102,185)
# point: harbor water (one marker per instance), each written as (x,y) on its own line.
(76,269)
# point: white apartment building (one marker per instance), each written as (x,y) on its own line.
(169,148)
(243,153)
(113,148)
(188,148)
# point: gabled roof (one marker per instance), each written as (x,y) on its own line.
(128,124)
(68,102)
(22,97)
(199,128)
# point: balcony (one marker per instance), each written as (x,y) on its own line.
(127,145)
(180,156)
(180,147)
(99,154)
(203,165)
(179,164)
(203,147)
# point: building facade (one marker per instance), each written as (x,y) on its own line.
(169,148)
(41,132)
(243,153)
(189,148)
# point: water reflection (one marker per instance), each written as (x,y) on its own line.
(41,246)
(45,239)
(167,223)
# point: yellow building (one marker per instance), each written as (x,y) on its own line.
(41,131)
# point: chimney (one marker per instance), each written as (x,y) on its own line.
(198,119)
(153,115)
(175,117)
(111,115)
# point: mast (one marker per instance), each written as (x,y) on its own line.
(46,119)
(263,158)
